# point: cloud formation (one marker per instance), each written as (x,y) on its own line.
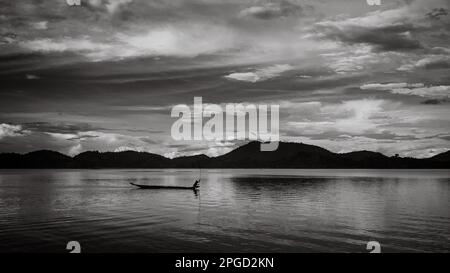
(352,117)
(111,6)
(118,66)
(10,130)
(273,10)
(83,44)
(429,62)
(415,89)
(402,29)
(436,13)
(42,25)
(386,38)
(262,74)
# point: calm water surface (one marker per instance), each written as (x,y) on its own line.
(234,211)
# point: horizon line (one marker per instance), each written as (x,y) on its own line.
(202,154)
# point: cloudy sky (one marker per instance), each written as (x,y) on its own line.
(104,75)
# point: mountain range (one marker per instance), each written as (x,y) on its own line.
(288,155)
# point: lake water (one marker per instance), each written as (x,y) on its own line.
(234,211)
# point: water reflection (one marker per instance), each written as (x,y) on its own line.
(234,211)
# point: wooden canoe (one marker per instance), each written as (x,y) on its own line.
(156,187)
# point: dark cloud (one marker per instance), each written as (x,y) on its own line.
(137,131)
(387,38)
(437,13)
(434,101)
(149,140)
(83,137)
(62,128)
(437,64)
(7,38)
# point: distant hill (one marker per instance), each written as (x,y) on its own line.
(127,159)
(444,157)
(194,161)
(35,160)
(288,155)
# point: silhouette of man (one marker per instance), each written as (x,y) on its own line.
(196,184)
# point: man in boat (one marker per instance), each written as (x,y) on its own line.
(196,184)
